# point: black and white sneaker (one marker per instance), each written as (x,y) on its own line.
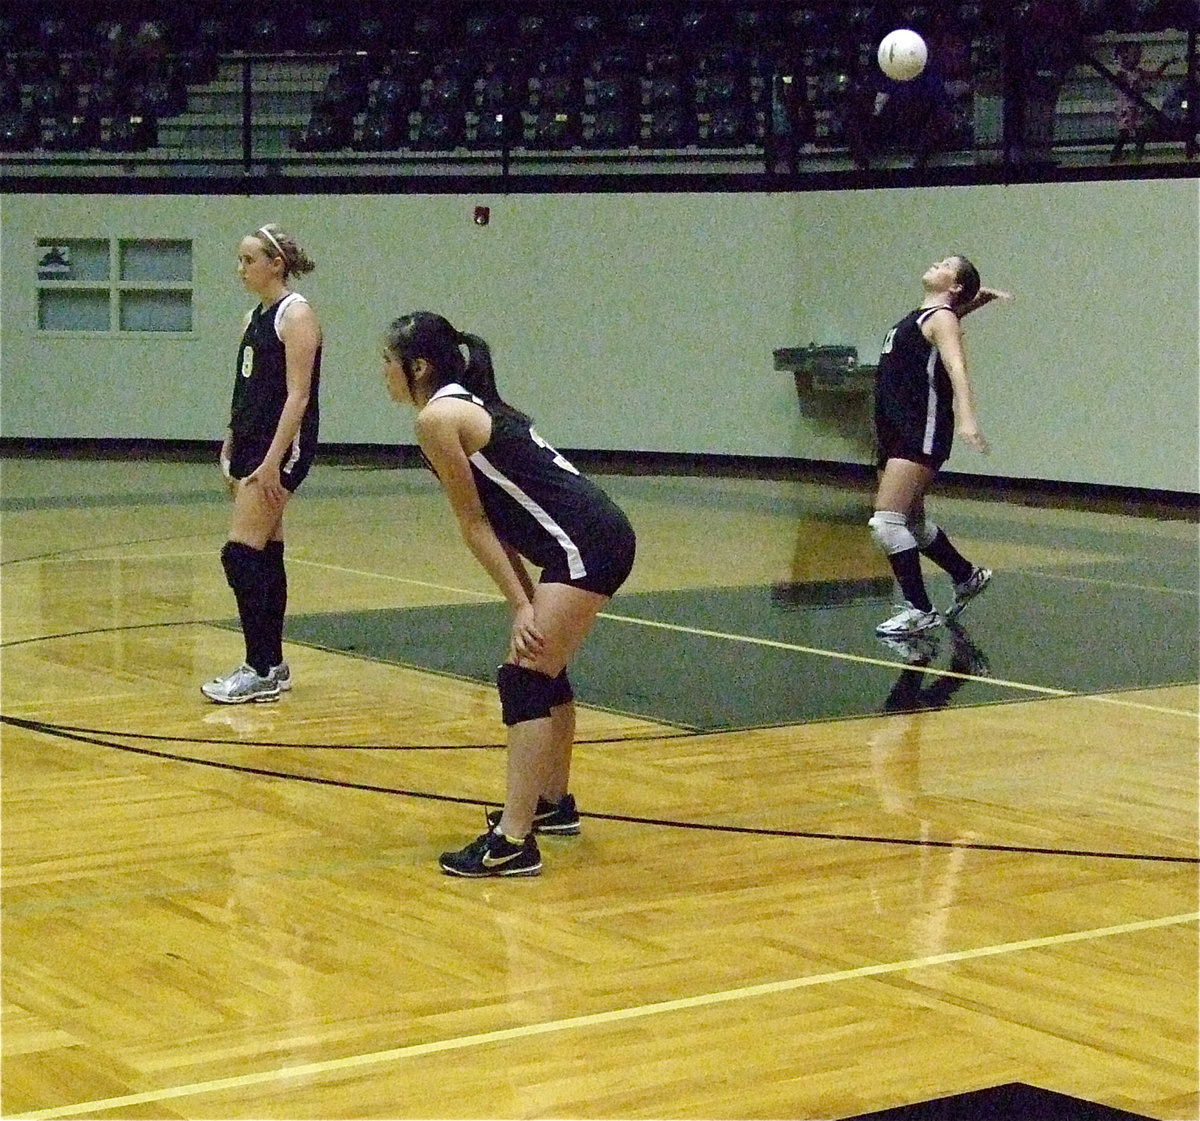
(560,818)
(493,854)
(968,590)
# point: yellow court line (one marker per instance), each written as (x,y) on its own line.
(207,554)
(572,1023)
(1110,583)
(838,655)
(791,646)
(770,643)
(842,656)
(728,637)
(397,579)
(1109,698)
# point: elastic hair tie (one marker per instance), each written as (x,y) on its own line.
(271,238)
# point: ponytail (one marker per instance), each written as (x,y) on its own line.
(422,334)
(968,281)
(478,375)
(279,243)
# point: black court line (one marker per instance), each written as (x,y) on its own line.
(906,695)
(414,483)
(704,827)
(62,554)
(106,630)
(667,731)
(225,741)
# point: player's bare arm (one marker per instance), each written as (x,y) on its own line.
(944,331)
(449,431)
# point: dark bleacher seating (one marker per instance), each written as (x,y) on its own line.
(726,76)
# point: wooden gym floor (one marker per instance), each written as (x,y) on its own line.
(813,881)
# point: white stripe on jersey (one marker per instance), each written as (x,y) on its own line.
(287,301)
(574,559)
(293,458)
(284,304)
(575,564)
(931,399)
(931,403)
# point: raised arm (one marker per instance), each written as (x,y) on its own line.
(983,297)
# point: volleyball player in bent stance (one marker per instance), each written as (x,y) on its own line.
(922,394)
(514,496)
(266,453)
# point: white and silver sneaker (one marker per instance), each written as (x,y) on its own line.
(242,686)
(281,675)
(968,590)
(908,621)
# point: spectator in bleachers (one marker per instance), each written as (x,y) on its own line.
(1044,38)
(1133,122)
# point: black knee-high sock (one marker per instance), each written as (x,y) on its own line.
(277,596)
(907,566)
(946,556)
(245,569)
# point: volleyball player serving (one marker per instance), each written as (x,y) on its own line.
(922,397)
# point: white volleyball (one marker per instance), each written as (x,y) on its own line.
(902,54)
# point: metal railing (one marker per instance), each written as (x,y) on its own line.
(325,116)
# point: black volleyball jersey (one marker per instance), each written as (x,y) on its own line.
(260,383)
(534,498)
(913,393)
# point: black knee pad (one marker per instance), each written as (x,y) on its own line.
(525,694)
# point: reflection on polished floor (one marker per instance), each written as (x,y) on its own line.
(818,876)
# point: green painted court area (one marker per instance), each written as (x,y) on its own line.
(716,658)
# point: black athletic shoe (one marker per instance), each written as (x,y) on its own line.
(493,854)
(560,818)
(968,590)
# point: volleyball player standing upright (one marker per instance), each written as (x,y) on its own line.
(922,394)
(266,454)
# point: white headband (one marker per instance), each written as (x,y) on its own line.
(271,238)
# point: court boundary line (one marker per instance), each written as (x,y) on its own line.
(571,1023)
(1108,697)
(635,620)
(65,556)
(1156,588)
(838,655)
(42,728)
(772,643)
